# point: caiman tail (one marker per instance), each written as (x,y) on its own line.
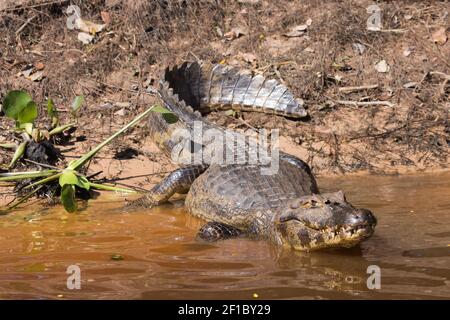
(192,89)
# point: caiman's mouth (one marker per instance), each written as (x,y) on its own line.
(305,236)
(345,231)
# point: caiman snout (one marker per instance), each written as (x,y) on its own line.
(323,221)
(360,218)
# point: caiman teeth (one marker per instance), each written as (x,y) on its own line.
(342,231)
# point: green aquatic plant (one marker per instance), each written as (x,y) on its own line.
(20,107)
(70,178)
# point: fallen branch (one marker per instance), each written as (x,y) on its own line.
(24,25)
(393,30)
(358,88)
(365,103)
(36,5)
(445,76)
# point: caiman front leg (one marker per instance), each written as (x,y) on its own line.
(214,231)
(178,181)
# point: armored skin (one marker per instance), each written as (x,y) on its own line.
(281,204)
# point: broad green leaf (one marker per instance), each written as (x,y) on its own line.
(28,114)
(14,102)
(68,198)
(77,103)
(169,116)
(18,154)
(68,177)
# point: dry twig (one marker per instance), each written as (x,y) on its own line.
(358,88)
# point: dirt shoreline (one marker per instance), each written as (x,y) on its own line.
(406,65)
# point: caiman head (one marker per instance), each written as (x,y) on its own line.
(322,221)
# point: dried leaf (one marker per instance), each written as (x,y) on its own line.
(360,48)
(407,52)
(106,17)
(297,31)
(248,57)
(84,37)
(382,66)
(440,36)
(410,85)
(88,26)
(39,66)
(37,76)
(235,33)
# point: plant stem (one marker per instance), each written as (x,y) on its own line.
(12,176)
(111,188)
(78,163)
(45,180)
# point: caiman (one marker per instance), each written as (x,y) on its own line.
(237,197)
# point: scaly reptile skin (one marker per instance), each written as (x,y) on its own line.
(237,199)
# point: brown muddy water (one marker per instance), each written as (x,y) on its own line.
(162,259)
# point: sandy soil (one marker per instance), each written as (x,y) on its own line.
(409,133)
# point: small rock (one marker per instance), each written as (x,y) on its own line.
(309,50)
(382,66)
(408,17)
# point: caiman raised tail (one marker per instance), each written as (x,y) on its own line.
(239,198)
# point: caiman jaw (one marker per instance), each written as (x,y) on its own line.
(301,234)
